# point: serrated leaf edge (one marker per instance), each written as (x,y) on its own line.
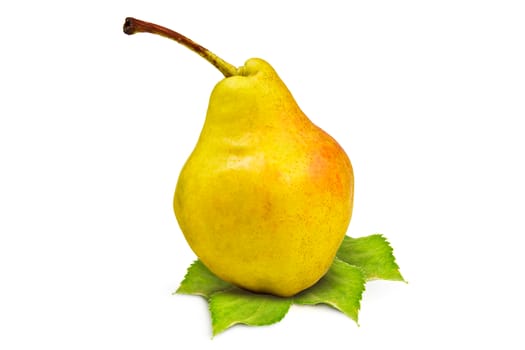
(197,293)
(394,262)
(332,305)
(211,304)
(178,291)
(390,250)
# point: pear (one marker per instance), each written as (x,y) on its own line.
(266,196)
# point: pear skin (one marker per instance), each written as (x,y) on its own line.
(266,196)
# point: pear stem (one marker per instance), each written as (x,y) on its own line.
(133,25)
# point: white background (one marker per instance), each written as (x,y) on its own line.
(427,98)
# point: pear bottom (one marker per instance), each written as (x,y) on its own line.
(262,228)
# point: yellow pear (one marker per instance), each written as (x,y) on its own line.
(265,198)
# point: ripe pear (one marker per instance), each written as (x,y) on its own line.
(266,196)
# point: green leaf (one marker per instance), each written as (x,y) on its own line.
(358,260)
(341,288)
(373,254)
(201,281)
(235,306)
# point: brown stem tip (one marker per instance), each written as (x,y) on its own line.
(129,26)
